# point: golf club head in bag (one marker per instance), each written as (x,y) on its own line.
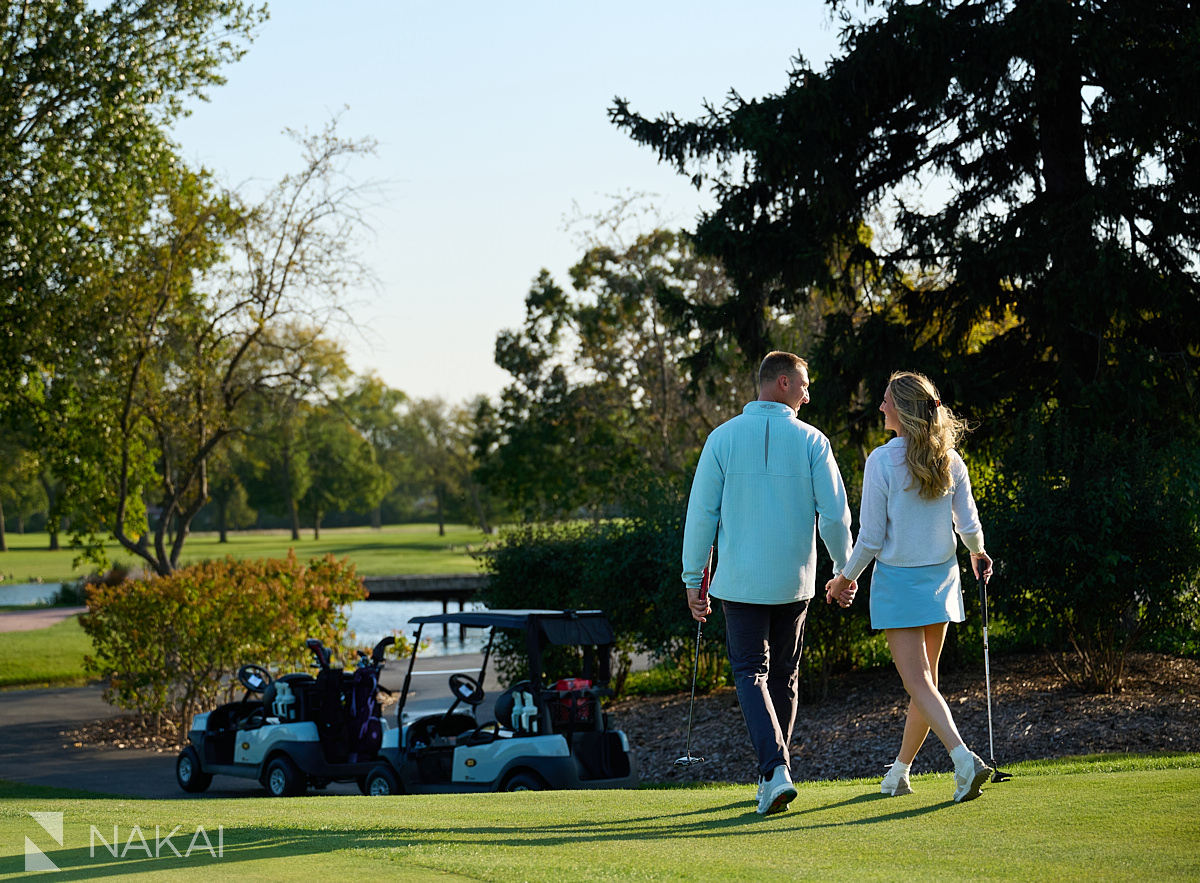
(997,774)
(705,578)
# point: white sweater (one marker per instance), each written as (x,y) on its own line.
(901,528)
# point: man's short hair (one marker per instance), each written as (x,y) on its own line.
(777,363)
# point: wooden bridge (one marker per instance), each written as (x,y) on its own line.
(460,587)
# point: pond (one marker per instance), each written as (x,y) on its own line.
(368,620)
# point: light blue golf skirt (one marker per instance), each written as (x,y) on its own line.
(907,597)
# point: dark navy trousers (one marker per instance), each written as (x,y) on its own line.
(765,642)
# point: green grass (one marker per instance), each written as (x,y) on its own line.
(44,657)
(392,550)
(1084,819)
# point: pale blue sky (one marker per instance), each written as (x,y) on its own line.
(491,120)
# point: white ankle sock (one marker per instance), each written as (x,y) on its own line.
(960,754)
(900,768)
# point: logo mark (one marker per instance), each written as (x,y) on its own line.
(35,859)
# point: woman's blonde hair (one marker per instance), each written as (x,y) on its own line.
(931,430)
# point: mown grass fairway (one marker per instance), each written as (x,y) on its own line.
(391,550)
(1091,819)
(46,656)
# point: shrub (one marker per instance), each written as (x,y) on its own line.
(1098,545)
(630,569)
(166,646)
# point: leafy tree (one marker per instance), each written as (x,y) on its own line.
(228,490)
(19,485)
(1107,530)
(1054,140)
(206,299)
(23,493)
(637,307)
(126,404)
(88,92)
(602,386)
(278,468)
(443,463)
(278,447)
(344,474)
(1001,194)
(377,411)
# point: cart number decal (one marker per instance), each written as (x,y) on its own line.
(470,761)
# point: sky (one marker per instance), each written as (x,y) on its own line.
(492,130)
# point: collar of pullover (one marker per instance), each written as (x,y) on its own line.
(768,409)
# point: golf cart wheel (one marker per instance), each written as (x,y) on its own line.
(380,782)
(524,782)
(282,779)
(188,773)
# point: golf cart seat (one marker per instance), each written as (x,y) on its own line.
(517,709)
(291,702)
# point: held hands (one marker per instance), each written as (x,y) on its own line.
(841,590)
(700,609)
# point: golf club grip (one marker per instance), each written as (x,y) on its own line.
(983,599)
(706,577)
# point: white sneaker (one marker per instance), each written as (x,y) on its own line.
(895,782)
(969,777)
(777,792)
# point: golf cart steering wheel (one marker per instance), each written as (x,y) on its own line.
(254,678)
(465,689)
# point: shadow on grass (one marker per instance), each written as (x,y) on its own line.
(149,844)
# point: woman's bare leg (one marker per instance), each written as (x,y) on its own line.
(911,651)
(916,728)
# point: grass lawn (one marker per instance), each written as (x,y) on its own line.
(392,550)
(44,657)
(1110,818)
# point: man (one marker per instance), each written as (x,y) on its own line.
(764,482)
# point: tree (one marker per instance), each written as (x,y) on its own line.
(87,93)
(604,381)
(278,447)
(1052,278)
(443,462)
(375,409)
(216,302)
(341,463)
(145,407)
(1056,141)
(228,490)
(18,484)
(22,491)
(1109,548)
(277,460)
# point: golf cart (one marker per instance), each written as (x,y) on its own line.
(300,730)
(544,735)
(304,730)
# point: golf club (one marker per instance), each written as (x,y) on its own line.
(705,579)
(997,774)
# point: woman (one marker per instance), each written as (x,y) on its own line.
(916,496)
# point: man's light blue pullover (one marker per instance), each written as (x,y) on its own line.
(765,481)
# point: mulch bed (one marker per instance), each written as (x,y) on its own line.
(1036,714)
